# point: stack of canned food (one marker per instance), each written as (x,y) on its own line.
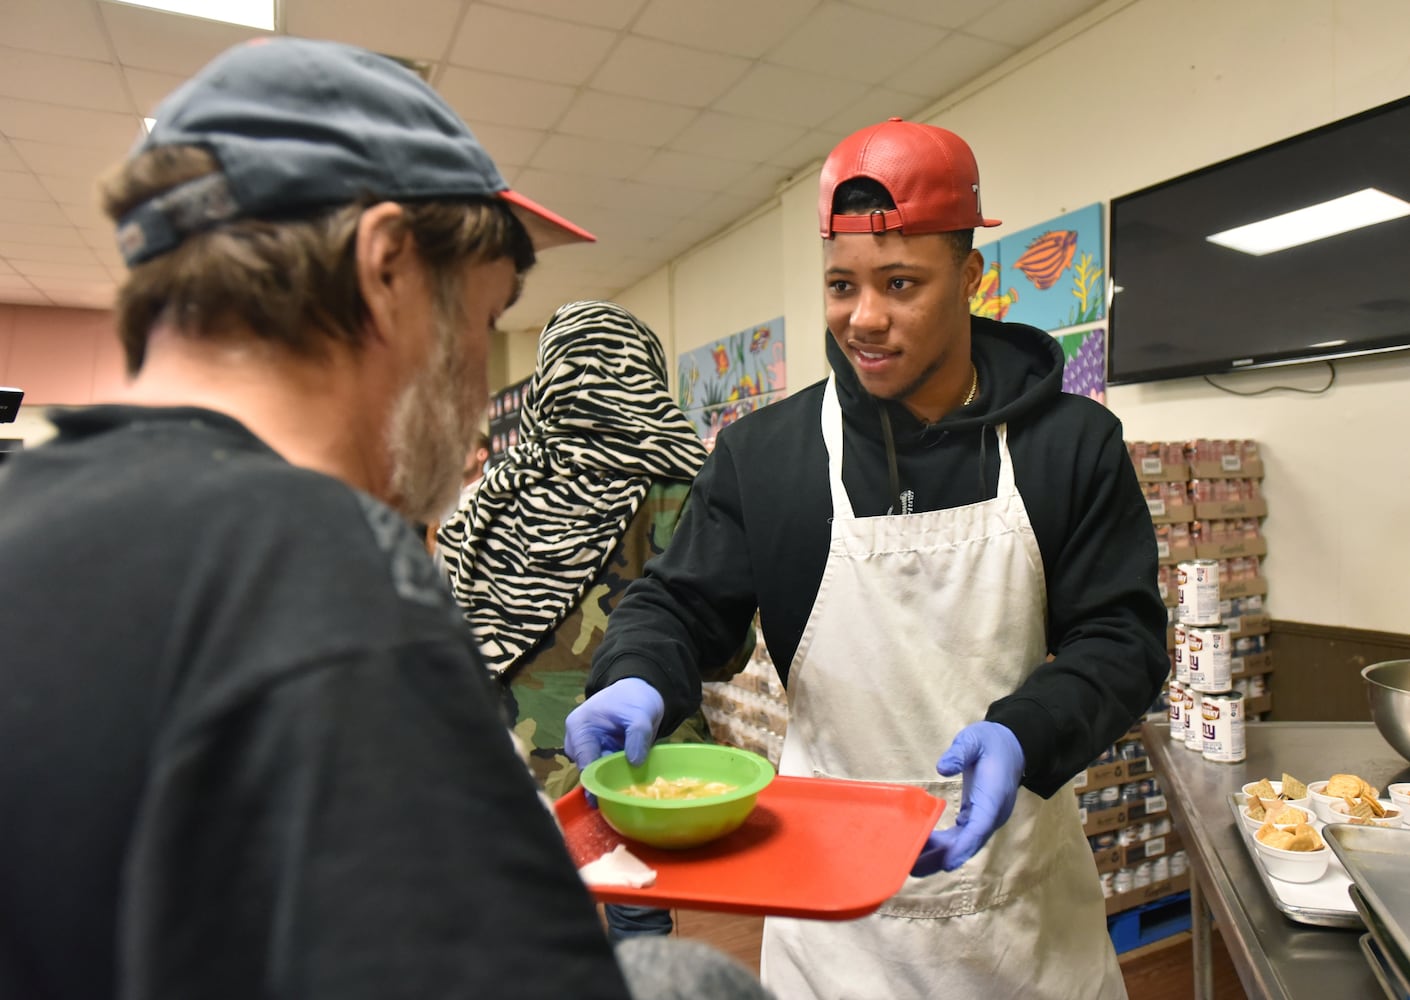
(1206,711)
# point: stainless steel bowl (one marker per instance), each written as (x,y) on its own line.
(1388,689)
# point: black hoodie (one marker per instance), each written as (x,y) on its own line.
(755,535)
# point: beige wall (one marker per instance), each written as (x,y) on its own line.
(1133,94)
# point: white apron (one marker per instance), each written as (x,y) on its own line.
(921,621)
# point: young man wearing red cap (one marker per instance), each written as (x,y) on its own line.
(950,558)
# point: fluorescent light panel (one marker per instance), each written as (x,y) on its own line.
(147,123)
(247,13)
(1366,207)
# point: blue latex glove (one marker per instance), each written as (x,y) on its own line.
(992,761)
(624,715)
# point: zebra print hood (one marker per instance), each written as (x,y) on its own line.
(598,424)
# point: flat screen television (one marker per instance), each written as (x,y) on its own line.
(1183,305)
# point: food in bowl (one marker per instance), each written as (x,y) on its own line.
(674,823)
(678,788)
(1256,812)
(1289,790)
(1335,789)
(1360,813)
(1292,855)
(1399,793)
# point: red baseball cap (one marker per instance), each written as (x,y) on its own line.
(929,172)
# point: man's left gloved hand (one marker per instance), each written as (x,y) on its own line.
(992,761)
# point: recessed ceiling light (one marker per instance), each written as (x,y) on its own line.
(1366,207)
(147,123)
(247,13)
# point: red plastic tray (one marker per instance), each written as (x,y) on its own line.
(812,847)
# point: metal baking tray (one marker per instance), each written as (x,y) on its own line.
(1376,961)
(1377,858)
(1323,903)
(1393,971)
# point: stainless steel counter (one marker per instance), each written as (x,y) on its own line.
(1274,956)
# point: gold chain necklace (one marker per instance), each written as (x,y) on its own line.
(973,385)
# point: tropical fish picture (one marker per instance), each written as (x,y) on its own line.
(720,382)
(1051,276)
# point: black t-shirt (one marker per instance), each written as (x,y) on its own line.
(247,748)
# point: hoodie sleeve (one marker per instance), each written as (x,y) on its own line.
(1106,624)
(693,604)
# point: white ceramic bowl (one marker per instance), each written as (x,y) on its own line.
(1400,798)
(1254,824)
(1294,866)
(1321,802)
(1393,817)
(1303,803)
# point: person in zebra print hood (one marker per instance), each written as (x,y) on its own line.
(562,525)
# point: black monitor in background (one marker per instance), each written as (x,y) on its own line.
(9,403)
(1183,305)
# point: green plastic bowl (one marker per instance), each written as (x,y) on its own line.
(678,823)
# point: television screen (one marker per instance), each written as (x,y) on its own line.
(1199,290)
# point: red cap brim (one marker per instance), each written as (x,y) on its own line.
(546,229)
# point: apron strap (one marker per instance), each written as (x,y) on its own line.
(832,441)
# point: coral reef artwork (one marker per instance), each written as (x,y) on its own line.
(720,382)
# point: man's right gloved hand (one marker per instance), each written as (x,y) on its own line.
(625,715)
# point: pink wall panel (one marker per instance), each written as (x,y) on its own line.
(59,355)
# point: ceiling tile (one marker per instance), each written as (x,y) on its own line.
(40,252)
(509,146)
(71,190)
(392,28)
(24,295)
(52,159)
(77,126)
(774,93)
(31,213)
(5,269)
(504,100)
(170,43)
(69,286)
(876,105)
(1023,22)
(61,27)
(21,185)
(9,158)
(625,119)
(810,147)
(40,271)
(84,215)
(149,87)
(54,236)
(51,79)
(745,28)
(640,67)
(940,13)
(831,38)
(733,137)
(760,182)
(614,14)
(493,39)
(691,170)
(959,58)
(593,157)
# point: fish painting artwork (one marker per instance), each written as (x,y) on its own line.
(987,301)
(759,338)
(721,357)
(1047,257)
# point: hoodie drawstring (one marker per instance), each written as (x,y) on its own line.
(893,475)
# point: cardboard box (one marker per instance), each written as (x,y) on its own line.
(1134,854)
(1101,776)
(1259,705)
(1253,663)
(1150,469)
(1229,467)
(1259,623)
(1231,550)
(1148,894)
(1242,588)
(1108,860)
(1208,510)
(1172,554)
(1164,513)
(1102,820)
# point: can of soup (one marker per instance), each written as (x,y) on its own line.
(1194,735)
(1211,658)
(1177,711)
(1197,592)
(1222,723)
(1181,654)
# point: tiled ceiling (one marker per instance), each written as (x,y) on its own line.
(654,123)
